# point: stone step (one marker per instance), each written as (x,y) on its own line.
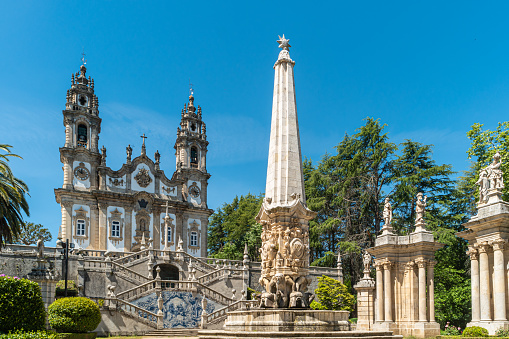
(308,335)
(173,332)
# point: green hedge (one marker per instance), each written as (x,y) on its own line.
(21,305)
(77,335)
(74,315)
(30,335)
(72,288)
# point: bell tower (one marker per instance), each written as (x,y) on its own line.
(191,144)
(80,153)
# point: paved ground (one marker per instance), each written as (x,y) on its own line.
(169,337)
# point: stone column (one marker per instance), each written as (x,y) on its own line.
(103,227)
(157,228)
(68,132)
(67,173)
(93,230)
(422,290)
(431,291)
(93,140)
(387,291)
(379,292)
(474,269)
(67,220)
(499,280)
(128,228)
(484,282)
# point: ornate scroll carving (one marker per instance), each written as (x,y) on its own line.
(143,178)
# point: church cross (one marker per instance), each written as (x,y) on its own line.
(144,137)
(83,60)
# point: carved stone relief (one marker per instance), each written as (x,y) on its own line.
(143,177)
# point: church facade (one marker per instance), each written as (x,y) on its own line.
(124,210)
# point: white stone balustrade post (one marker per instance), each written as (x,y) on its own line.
(422,290)
(379,292)
(387,291)
(474,269)
(499,295)
(484,282)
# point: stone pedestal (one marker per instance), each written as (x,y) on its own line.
(365,303)
(284,320)
(42,276)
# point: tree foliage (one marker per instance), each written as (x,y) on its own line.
(12,198)
(31,232)
(234,225)
(332,295)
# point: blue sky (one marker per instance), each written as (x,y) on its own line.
(429,70)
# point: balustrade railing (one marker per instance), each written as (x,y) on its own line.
(129,273)
(221,313)
(138,312)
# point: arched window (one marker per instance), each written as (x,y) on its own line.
(82,135)
(194,157)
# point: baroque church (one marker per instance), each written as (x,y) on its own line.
(125,209)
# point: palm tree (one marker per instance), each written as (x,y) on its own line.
(12,199)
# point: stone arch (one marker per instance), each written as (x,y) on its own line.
(168,272)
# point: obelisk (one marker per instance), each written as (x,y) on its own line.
(284,214)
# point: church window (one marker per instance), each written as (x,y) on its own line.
(80,227)
(115,229)
(169,234)
(194,239)
(82,135)
(194,157)
(143,225)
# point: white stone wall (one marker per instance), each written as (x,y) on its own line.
(134,184)
(193,251)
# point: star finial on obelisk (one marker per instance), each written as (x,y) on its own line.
(284,43)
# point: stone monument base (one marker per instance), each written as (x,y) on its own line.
(416,329)
(491,326)
(290,323)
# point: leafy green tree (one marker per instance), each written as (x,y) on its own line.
(415,171)
(234,225)
(12,198)
(332,295)
(31,232)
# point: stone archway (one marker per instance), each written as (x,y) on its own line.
(168,272)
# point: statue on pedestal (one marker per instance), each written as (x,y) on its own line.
(420,208)
(495,173)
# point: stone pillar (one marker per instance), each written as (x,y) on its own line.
(484,282)
(103,227)
(93,230)
(431,291)
(365,303)
(67,173)
(157,228)
(179,227)
(379,292)
(422,290)
(387,291)
(499,281)
(68,132)
(474,270)
(128,228)
(67,220)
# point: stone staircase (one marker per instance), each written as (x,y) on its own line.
(130,268)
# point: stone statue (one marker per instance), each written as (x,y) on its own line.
(129,151)
(366,260)
(483,184)
(157,156)
(420,208)
(387,214)
(495,173)
(103,155)
(40,249)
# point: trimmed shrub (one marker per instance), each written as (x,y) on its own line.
(30,335)
(21,305)
(74,315)
(475,331)
(72,289)
(332,295)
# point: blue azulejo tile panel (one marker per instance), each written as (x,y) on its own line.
(181,309)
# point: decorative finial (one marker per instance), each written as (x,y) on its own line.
(284,43)
(143,149)
(84,61)
(191,91)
